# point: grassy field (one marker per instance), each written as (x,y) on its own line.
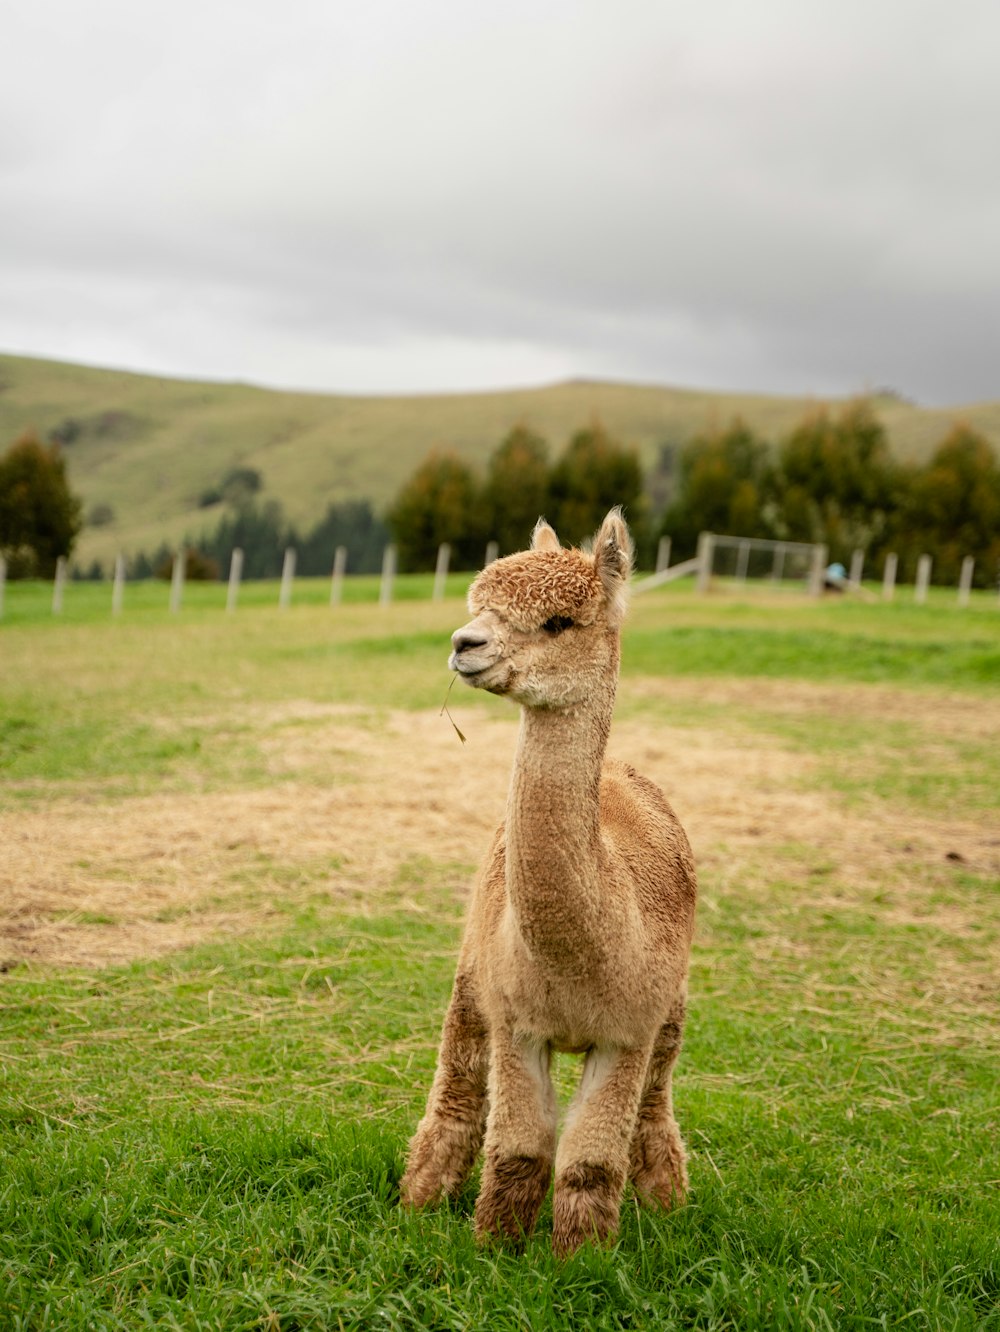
(235,851)
(150,447)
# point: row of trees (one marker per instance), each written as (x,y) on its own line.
(444,499)
(262,532)
(833,479)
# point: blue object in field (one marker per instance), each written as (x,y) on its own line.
(836,573)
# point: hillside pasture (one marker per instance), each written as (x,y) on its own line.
(236,850)
(149,447)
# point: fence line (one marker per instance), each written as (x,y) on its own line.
(923,579)
(441,571)
(59,585)
(700,567)
(388,575)
(235,574)
(889,577)
(965,580)
(287,578)
(337,578)
(118,586)
(177,580)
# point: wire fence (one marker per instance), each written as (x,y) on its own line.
(730,560)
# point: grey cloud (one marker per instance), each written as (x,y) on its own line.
(778,196)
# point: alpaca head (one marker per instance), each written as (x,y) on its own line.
(546,621)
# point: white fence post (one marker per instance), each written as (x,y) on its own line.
(742,561)
(118,586)
(337,581)
(923,578)
(492,552)
(235,574)
(177,579)
(965,580)
(388,574)
(706,550)
(663,554)
(818,570)
(889,577)
(287,577)
(3,581)
(441,571)
(857,568)
(58,585)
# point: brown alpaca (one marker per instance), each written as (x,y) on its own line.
(579,928)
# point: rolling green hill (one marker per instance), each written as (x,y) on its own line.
(149,447)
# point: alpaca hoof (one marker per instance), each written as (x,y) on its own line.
(585,1208)
(660,1191)
(510,1198)
(441,1157)
(659,1170)
(416,1190)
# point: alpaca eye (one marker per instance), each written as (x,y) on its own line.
(557,624)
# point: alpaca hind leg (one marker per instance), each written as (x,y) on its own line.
(658,1160)
(447,1141)
(520,1139)
(593,1158)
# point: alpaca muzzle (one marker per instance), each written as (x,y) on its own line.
(472,651)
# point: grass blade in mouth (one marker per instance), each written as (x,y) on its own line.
(444,709)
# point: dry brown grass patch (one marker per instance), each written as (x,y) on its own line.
(88,882)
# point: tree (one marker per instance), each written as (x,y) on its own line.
(198,567)
(240,484)
(260,531)
(517,488)
(352,524)
(439,503)
(594,473)
(953,508)
(40,517)
(723,486)
(837,483)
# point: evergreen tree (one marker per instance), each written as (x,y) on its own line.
(594,473)
(40,517)
(259,530)
(837,483)
(351,524)
(724,480)
(517,488)
(439,503)
(953,509)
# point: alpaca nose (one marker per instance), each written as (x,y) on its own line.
(465,638)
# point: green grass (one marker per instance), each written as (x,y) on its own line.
(215,1140)
(150,447)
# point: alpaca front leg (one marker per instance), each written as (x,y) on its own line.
(447,1141)
(520,1138)
(658,1160)
(593,1158)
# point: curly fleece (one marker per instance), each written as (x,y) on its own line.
(532,587)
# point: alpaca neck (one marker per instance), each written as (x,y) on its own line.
(553,843)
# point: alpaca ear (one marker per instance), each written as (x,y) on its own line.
(613,553)
(544,537)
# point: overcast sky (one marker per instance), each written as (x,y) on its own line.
(395,195)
